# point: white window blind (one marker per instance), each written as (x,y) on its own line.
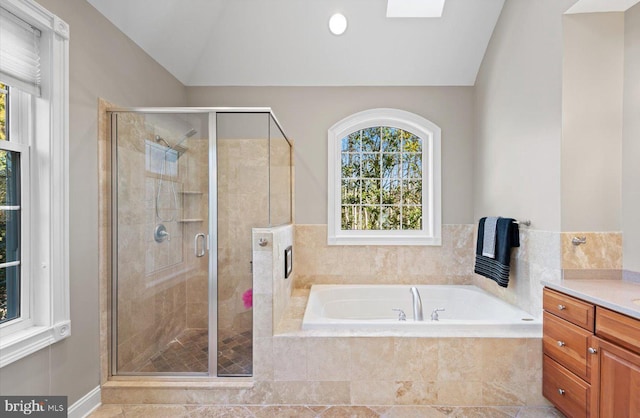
(19,53)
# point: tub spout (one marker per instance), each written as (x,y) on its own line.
(417,304)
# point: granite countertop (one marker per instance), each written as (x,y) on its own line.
(618,295)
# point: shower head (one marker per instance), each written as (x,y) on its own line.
(191,133)
(184,137)
(181,149)
(178,148)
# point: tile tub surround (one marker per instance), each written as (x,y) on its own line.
(293,367)
(319,263)
(537,258)
(602,250)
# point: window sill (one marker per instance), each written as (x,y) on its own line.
(384,240)
(23,343)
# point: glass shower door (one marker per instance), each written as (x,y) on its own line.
(243,203)
(160,188)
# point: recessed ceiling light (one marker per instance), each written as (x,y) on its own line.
(338,24)
(415,8)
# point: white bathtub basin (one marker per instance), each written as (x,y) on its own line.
(469,311)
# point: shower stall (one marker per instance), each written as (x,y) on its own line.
(188,185)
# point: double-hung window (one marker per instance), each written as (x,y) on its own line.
(14,222)
(384,180)
(34,266)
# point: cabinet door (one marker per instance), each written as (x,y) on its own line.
(617,373)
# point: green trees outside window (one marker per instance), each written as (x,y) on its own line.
(381,180)
(9,221)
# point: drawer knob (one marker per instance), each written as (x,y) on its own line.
(561,391)
(592,350)
(562,307)
(561,344)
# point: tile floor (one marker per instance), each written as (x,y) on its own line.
(289,411)
(235,354)
(188,353)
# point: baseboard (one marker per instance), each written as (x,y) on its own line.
(85,405)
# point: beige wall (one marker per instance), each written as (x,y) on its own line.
(103,63)
(307,112)
(518,110)
(592,121)
(631,142)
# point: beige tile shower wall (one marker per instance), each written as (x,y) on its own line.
(537,258)
(602,250)
(319,263)
(151,289)
(243,202)
(195,209)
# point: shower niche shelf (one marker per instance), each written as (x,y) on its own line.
(191,214)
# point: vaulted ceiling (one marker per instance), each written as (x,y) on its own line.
(287,42)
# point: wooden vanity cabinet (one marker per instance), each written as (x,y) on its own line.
(617,368)
(591,365)
(568,325)
(618,381)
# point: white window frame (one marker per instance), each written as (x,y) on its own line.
(430,133)
(44,133)
(23,102)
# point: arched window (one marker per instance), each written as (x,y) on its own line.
(384,180)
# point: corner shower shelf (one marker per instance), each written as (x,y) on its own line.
(190,220)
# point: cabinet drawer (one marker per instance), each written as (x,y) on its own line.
(567,392)
(569,308)
(567,344)
(620,329)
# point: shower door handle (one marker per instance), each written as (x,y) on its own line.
(199,250)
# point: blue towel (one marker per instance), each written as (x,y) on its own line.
(507,237)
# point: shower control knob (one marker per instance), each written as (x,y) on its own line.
(161,234)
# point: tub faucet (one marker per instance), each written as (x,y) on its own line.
(417,304)
(401,315)
(434,314)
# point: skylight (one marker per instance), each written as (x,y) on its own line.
(415,8)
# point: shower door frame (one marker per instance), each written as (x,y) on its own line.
(211,242)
